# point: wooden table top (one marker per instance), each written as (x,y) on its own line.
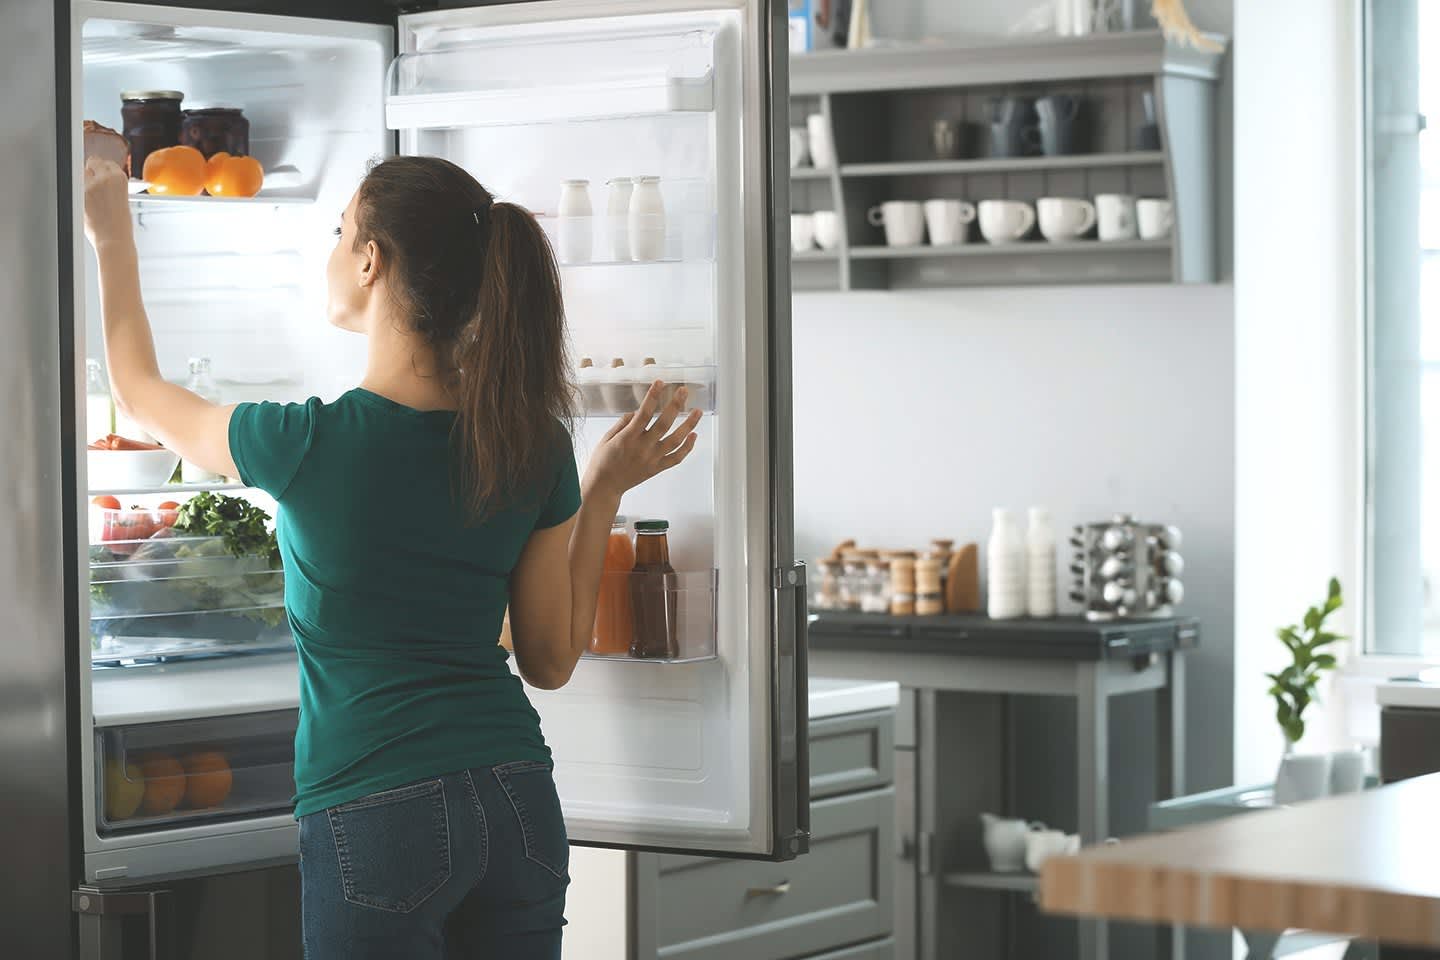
(1366,865)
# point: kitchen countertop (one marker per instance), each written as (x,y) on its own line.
(1361,865)
(1410,692)
(831,697)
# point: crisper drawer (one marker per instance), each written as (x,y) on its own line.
(836,895)
(168,597)
(851,753)
(159,775)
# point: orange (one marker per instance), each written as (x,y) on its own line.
(176,171)
(227,176)
(164,782)
(207,779)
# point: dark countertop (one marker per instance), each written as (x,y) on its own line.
(973,635)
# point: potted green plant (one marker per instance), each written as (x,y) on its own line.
(1294,688)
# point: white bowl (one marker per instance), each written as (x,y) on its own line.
(129,469)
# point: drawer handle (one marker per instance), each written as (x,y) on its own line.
(780,889)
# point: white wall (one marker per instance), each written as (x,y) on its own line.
(1297,432)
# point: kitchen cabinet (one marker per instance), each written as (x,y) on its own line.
(835,902)
(878,107)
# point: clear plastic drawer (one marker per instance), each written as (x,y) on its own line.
(165,597)
(158,775)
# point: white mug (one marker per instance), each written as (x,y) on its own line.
(948,221)
(802,231)
(1156,218)
(799,147)
(1005,221)
(822,149)
(903,221)
(1116,212)
(1064,218)
(827,229)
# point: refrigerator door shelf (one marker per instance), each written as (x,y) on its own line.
(605,241)
(605,397)
(687,613)
(598,101)
(169,489)
(161,775)
(149,203)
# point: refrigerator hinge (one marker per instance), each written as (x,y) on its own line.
(791,577)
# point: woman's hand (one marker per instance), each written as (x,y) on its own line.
(107,203)
(635,449)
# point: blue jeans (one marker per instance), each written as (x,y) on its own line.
(471,864)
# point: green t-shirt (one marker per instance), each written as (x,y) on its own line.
(395,601)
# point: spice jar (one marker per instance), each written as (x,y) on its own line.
(213,130)
(852,580)
(150,121)
(827,594)
(902,586)
(929,600)
(942,550)
(876,596)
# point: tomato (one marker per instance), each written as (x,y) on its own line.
(177,171)
(169,512)
(123,526)
(227,176)
(107,503)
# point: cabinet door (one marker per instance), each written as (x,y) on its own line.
(703,750)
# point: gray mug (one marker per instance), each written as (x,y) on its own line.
(1059,115)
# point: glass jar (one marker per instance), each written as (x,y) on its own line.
(827,588)
(150,121)
(875,598)
(213,130)
(852,582)
(653,593)
(202,385)
(99,413)
(902,586)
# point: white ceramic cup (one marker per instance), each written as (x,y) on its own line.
(1302,777)
(799,147)
(1041,845)
(1064,218)
(903,220)
(802,231)
(948,221)
(1005,221)
(822,149)
(1155,217)
(827,229)
(1116,214)
(1347,771)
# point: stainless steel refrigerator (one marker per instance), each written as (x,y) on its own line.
(129,664)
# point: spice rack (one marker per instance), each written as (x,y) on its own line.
(879,106)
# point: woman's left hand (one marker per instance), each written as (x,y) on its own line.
(107,202)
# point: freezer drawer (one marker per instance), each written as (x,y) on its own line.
(161,776)
(837,894)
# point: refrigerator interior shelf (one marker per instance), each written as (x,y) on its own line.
(134,651)
(167,488)
(149,202)
(600,100)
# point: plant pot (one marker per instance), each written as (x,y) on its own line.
(1302,777)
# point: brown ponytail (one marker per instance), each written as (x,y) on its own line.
(480,283)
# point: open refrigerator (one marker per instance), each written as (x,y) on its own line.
(179,671)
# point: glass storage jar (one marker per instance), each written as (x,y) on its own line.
(213,130)
(150,121)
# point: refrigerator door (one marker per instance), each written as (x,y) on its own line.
(644,136)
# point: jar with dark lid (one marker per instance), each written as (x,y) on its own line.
(213,130)
(150,121)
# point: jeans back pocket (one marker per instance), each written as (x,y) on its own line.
(530,785)
(393,846)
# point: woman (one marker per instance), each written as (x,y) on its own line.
(413,510)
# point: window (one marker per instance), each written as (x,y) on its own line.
(1402,164)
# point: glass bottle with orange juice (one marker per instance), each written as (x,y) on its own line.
(614,615)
